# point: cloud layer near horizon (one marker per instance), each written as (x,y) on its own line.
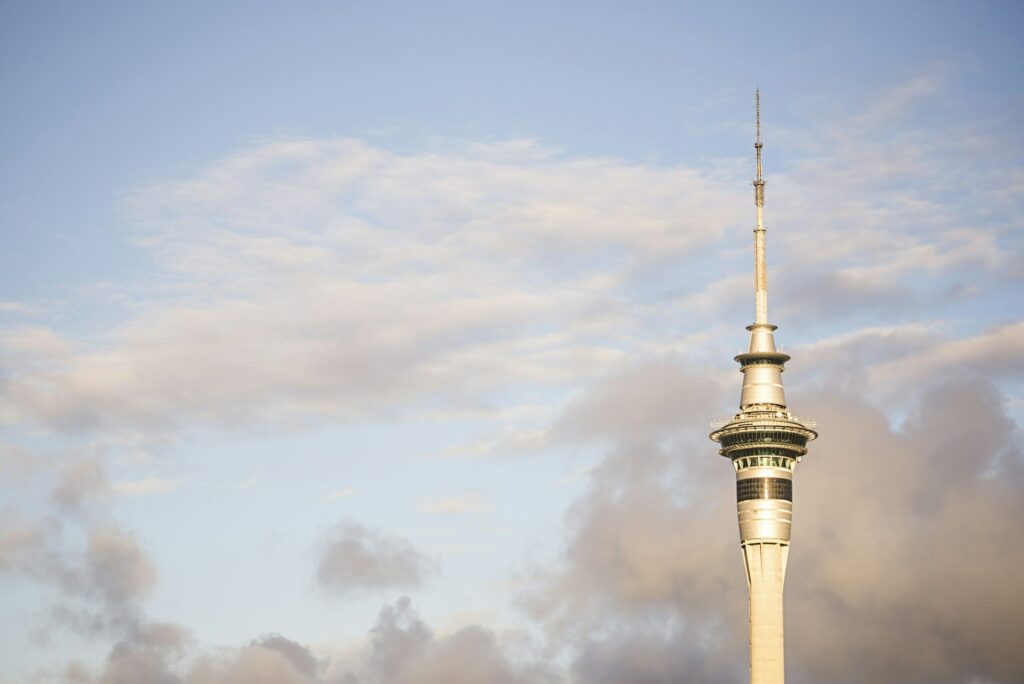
(899,570)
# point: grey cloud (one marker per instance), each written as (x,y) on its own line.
(994,353)
(80,485)
(252,665)
(18,464)
(645,575)
(645,401)
(98,573)
(298,655)
(158,653)
(404,650)
(117,568)
(353,557)
(662,653)
(884,362)
(20,541)
(829,293)
(917,586)
(127,665)
(142,660)
(901,568)
(102,586)
(651,552)
(147,656)
(397,636)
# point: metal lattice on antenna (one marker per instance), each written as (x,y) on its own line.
(760,264)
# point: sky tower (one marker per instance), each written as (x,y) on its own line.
(764,441)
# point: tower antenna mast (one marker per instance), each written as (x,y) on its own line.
(760,265)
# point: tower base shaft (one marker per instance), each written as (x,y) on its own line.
(766,573)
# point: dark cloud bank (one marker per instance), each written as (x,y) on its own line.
(904,564)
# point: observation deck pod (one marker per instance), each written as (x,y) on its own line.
(765,358)
(763,437)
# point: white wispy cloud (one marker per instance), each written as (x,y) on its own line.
(462,502)
(145,486)
(331,278)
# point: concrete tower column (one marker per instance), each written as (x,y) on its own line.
(765,564)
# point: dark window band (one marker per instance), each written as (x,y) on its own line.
(764,488)
(763,437)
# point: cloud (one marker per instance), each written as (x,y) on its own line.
(644,401)
(298,655)
(649,586)
(17,463)
(995,353)
(465,502)
(330,279)
(269,660)
(404,650)
(97,569)
(352,557)
(882,362)
(401,649)
(899,569)
(19,540)
(145,657)
(80,485)
(318,278)
(647,655)
(145,486)
(871,219)
(948,474)
(102,586)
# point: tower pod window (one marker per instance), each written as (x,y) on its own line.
(764,461)
(763,437)
(764,488)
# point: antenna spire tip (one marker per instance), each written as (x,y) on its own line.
(757,112)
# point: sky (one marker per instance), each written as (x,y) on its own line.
(378,343)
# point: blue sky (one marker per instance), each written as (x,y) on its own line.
(308,307)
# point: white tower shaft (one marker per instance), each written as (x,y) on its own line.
(766,573)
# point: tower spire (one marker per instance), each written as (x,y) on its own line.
(760,266)
(757,141)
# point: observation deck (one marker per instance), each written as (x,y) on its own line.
(765,437)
